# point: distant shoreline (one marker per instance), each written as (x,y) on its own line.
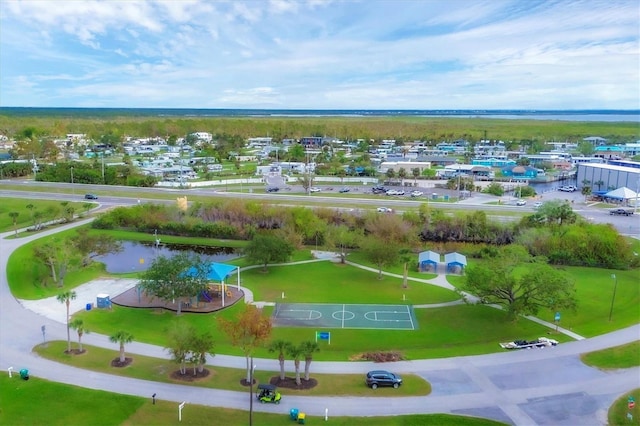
(601,115)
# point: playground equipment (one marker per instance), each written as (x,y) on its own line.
(205,296)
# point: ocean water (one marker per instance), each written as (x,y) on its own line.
(559,115)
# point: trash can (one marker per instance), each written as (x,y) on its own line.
(446,198)
(301,418)
(294,414)
(24,374)
(88,306)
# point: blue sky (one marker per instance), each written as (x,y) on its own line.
(321,54)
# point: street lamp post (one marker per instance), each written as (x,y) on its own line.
(613,298)
(253,367)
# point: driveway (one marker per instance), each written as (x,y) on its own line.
(543,386)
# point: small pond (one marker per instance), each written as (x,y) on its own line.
(137,257)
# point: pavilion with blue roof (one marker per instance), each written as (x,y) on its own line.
(454,261)
(428,261)
(218,272)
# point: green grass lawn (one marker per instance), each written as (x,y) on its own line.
(39,402)
(594,289)
(25,216)
(624,356)
(619,411)
(328,282)
(159,370)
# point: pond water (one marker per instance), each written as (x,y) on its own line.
(136,257)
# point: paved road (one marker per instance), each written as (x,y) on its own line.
(545,387)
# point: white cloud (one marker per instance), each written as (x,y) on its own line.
(321,54)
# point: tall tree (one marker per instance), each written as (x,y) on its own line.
(92,245)
(495,282)
(78,325)
(248,331)
(308,348)
(66,298)
(200,345)
(268,248)
(172,278)
(296,352)
(178,338)
(406,257)
(281,347)
(379,252)
(14,219)
(122,338)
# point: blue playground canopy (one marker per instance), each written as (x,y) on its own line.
(217,272)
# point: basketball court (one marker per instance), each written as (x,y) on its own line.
(321,315)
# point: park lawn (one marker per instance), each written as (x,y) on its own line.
(40,402)
(619,410)
(25,216)
(329,282)
(24,275)
(37,402)
(451,331)
(159,370)
(443,332)
(624,356)
(594,291)
(360,259)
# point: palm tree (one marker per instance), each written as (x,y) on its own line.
(66,298)
(281,347)
(296,352)
(406,256)
(121,337)
(415,172)
(599,183)
(78,325)
(14,218)
(30,207)
(308,348)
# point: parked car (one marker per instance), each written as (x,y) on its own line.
(382,378)
(537,204)
(395,192)
(385,210)
(621,212)
(91,197)
(314,189)
(567,188)
(345,189)
(378,189)
(273,189)
(416,194)
(521,202)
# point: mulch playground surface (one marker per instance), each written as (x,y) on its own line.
(132,299)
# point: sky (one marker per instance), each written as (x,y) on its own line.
(321,54)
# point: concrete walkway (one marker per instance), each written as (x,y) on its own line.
(543,386)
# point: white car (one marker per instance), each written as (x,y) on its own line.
(537,204)
(395,192)
(314,189)
(521,202)
(416,194)
(385,210)
(567,188)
